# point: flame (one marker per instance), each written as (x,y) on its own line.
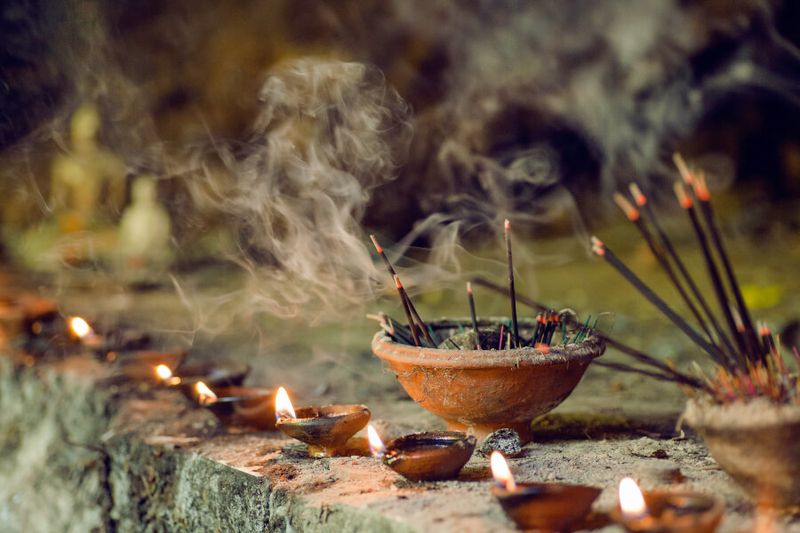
(283,406)
(80,328)
(165,374)
(631,500)
(204,395)
(501,472)
(375,443)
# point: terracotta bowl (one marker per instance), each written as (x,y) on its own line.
(480,391)
(325,429)
(249,406)
(756,443)
(429,456)
(674,512)
(547,506)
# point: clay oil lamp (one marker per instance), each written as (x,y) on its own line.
(428,456)
(326,429)
(247,406)
(214,374)
(143,365)
(82,333)
(665,512)
(541,506)
(26,314)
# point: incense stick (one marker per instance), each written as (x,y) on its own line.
(604,252)
(641,201)
(634,216)
(511,291)
(704,197)
(473,315)
(711,267)
(403,294)
(407,310)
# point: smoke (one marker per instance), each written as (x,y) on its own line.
(327,134)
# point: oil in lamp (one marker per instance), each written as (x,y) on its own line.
(540,506)
(325,428)
(427,456)
(665,512)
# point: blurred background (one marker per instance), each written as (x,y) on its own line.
(274,135)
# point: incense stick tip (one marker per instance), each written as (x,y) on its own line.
(378,247)
(638,195)
(630,211)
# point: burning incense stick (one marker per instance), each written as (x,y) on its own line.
(604,252)
(634,216)
(511,291)
(641,201)
(403,294)
(704,197)
(407,310)
(711,266)
(473,315)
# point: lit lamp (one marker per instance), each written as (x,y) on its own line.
(82,332)
(326,429)
(665,512)
(541,506)
(427,456)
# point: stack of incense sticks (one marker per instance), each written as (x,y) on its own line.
(732,342)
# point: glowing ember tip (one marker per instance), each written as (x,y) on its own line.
(501,472)
(631,500)
(283,406)
(79,327)
(375,443)
(507,225)
(631,212)
(469,287)
(204,395)
(378,247)
(638,195)
(598,247)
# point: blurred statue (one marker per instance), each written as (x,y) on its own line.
(144,234)
(84,175)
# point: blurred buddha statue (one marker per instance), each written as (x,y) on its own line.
(87,177)
(144,234)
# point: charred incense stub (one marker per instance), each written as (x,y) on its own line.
(248,406)
(429,456)
(326,429)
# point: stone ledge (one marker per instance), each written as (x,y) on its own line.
(84,455)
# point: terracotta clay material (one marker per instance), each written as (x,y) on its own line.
(247,406)
(325,429)
(140,365)
(213,374)
(755,442)
(480,391)
(547,506)
(674,512)
(430,456)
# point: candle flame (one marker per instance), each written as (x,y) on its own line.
(283,406)
(163,372)
(631,500)
(80,328)
(205,396)
(501,472)
(375,443)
